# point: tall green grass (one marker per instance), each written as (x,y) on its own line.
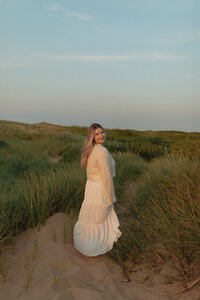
(32,188)
(163,218)
(161,215)
(67,145)
(147,144)
(129,167)
(18,158)
(34,198)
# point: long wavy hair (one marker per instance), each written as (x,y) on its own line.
(89,144)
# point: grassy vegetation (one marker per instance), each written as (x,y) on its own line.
(147,144)
(162,220)
(159,216)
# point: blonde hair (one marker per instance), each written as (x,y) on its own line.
(89,144)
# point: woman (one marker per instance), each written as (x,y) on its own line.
(97,227)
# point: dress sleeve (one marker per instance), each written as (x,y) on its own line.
(106,176)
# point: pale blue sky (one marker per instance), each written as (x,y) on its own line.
(121,63)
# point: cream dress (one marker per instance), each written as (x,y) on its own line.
(97,226)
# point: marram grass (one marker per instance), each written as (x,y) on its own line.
(36,197)
(163,217)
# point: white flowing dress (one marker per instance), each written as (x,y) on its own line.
(97,226)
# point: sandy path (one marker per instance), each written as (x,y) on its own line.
(45,266)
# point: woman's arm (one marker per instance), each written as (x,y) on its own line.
(106,176)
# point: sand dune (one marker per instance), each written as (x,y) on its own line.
(44,266)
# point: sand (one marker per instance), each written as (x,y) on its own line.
(43,265)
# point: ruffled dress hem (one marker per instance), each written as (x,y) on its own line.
(115,233)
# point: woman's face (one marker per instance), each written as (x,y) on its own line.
(99,136)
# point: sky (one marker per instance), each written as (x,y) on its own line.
(121,63)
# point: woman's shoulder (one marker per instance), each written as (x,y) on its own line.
(100,149)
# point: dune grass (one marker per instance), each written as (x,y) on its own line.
(147,144)
(129,167)
(67,145)
(32,188)
(31,200)
(161,215)
(163,218)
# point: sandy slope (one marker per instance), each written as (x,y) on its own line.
(45,266)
